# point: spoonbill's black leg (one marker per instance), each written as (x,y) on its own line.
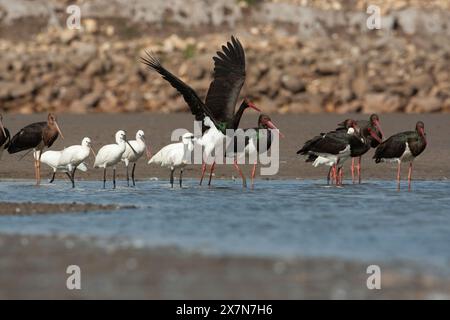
(181,178)
(171,176)
(211,172)
(104,178)
(114,178)
(53,177)
(132,174)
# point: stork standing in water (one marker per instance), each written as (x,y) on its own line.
(128,156)
(4,136)
(36,136)
(256,141)
(175,155)
(332,149)
(403,147)
(111,154)
(221,99)
(371,129)
(52,159)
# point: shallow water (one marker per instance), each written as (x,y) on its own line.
(370,222)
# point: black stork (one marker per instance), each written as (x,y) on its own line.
(36,136)
(332,149)
(403,147)
(222,96)
(256,141)
(4,136)
(370,130)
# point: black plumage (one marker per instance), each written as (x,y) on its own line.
(403,147)
(224,90)
(36,136)
(395,146)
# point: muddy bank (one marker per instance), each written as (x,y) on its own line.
(12,208)
(432,164)
(168,273)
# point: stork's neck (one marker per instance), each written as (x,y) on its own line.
(238,115)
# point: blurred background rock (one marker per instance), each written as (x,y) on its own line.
(302,55)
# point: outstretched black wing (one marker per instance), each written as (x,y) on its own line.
(229,77)
(190,96)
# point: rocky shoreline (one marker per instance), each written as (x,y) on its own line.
(336,66)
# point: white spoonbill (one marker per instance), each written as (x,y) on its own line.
(52,159)
(175,155)
(128,156)
(73,156)
(111,154)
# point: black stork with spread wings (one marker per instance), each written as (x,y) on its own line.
(221,99)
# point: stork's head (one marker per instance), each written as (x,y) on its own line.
(375,123)
(51,121)
(264,122)
(420,128)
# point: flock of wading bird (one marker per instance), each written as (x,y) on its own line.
(352,139)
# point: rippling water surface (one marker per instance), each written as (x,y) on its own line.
(369,222)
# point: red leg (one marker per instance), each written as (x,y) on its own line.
(253,173)
(244,181)
(398,176)
(359,170)
(409,176)
(211,173)
(203,172)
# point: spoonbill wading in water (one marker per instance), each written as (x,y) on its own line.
(52,159)
(36,136)
(221,99)
(73,156)
(111,154)
(175,155)
(403,147)
(128,156)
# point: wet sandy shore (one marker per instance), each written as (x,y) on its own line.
(35,267)
(432,164)
(12,208)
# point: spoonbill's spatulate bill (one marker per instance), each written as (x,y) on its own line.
(403,147)
(4,136)
(371,130)
(111,154)
(175,155)
(36,136)
(129,156)
(222,96)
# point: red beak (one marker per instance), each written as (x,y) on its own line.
(375,136)
(377,124)
(252,105)
(272,126)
